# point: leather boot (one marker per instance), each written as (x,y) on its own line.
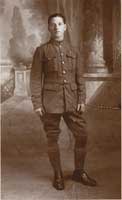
(82,177)
(58,182)
(54,157)
(79,175)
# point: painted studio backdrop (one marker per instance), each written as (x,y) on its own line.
(93,26)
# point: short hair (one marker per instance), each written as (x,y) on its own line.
(56,15)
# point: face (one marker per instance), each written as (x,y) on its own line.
(57,28)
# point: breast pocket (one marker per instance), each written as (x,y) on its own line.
(51,64)
(71,60)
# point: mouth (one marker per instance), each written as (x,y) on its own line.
(57,31)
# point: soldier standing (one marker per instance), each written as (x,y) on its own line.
(58,90)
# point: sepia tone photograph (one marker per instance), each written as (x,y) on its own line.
(60,64)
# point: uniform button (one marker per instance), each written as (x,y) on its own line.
(64,72)
(62,54)
(62,62)
(65,80)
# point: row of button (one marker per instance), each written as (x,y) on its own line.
(64,72)
(62,61)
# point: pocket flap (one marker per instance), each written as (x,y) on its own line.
(71,54)
(49,86)
(73,86)
(51,57)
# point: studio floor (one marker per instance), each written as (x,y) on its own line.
(26,171)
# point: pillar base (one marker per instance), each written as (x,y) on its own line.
(22,82)
(96,69)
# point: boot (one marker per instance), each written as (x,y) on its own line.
(58,182)
(82,177)
(79,175)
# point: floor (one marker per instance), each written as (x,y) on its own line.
(26,171)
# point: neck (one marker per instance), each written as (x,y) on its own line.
(58,39)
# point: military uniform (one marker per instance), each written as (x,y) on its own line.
(58,86)
(62,86)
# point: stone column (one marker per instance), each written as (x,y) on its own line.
(116,19)
(93,37)
(108,34)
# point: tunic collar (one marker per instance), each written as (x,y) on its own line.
(57,43)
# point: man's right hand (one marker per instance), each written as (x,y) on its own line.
(40,111)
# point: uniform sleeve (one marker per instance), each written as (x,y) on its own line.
(36,78)
(79,78)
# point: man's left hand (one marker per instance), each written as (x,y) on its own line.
(81,107)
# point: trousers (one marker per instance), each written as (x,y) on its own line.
(77,124)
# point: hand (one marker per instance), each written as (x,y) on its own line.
(40,111)
(81,107)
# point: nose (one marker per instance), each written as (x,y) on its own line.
(56,27)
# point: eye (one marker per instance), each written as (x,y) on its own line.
(59,23)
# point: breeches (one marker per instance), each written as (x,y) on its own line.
(75,123)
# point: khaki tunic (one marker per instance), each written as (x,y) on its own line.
(56,78)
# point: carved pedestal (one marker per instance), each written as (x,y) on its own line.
(22,81)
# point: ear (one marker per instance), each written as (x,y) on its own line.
(65,27)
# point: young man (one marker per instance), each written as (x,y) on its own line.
(58,90)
